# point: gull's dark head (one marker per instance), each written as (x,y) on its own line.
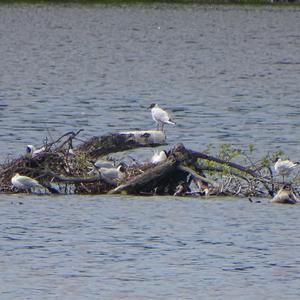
(29,149)
(276,159)
(287,187)
(122,166)
(166,152)
(152,105)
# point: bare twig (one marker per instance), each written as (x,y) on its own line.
(71,134)
(197,176)
(223,162)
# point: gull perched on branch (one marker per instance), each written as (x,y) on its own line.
(24,182)
(284,167)
(160,116)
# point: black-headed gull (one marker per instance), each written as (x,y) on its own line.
(159,157)
(31,151)
(24,182)
(112,173)
(285,196)
(160,116)
(101,163)
(284,167)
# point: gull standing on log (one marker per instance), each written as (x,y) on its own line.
(160,116)
(284,167)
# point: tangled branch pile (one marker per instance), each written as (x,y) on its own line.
(65,169)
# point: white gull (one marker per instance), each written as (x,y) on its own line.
(160,116)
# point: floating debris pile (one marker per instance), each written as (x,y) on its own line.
(64,168)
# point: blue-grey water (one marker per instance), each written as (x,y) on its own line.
(226,74)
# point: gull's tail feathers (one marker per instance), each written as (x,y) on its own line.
(170,122)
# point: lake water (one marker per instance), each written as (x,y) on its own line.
(226,74)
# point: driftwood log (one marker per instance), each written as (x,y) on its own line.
(157,180)
(117,142)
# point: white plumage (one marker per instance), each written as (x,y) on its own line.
(32,151)
(285,195)
(284,167)
(100,163)
(112,173)
(24,182)
(71,152)
(160,116)
(159,157)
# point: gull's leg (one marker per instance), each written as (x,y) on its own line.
(162,126)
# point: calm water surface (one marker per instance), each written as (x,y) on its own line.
(227,75)
(145,248)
